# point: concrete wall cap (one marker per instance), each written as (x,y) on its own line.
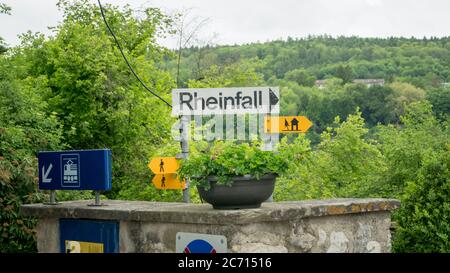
(172,212)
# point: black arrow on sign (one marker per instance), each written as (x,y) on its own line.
(273,98)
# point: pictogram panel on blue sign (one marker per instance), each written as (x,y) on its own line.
(71,170)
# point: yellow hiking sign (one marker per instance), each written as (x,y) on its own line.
(286,124)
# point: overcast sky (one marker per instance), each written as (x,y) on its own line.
(244,21)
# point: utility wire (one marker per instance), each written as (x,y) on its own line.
(125,58)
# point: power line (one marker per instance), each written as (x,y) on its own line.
(125,58)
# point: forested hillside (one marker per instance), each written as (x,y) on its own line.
(73,90)
(413,69)
(423,62)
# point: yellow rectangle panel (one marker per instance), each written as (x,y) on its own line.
(83,247)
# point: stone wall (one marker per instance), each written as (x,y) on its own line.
(338,225)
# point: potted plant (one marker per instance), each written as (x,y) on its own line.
(231,176)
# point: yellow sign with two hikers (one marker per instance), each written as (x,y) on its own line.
(166,177)
(168,181)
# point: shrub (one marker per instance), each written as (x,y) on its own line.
(424,218)
(24,130)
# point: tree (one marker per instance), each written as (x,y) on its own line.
(424,216)
(300,76)
(402,95)
(93,93)
(187,30)
(25,128)
(344,164)
(201,60)
(440,99)
(345,73)
(406,145)
(234,75)
(374,103)
(5,10)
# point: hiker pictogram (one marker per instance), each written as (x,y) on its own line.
(169,181)
(163,181)
(161,166)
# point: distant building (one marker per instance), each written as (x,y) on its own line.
(320,84)
(445,84)
(370,82)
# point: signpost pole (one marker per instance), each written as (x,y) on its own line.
(184,141)
(52,198)
(270,146)
(97,198)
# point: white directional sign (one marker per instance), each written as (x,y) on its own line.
(220,101)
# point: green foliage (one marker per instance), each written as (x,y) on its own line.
(5,8)
(374,102)
(422,62)
(424,217)
(25,129)
(412,65)
(440,99)
(300,76)
(90,89)
(234,75)
(225,160)
(378,104)
(345,73)
(405,145)
(73,91)
(143,189)
(402,95)
(343,165)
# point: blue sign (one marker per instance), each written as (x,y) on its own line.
(93,231)
(75,170)
(199,246)
(200,243)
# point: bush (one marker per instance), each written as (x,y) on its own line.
(424,218)
(24,130)
(344,164)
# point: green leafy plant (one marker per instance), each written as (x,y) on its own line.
(225,160)
(424,217)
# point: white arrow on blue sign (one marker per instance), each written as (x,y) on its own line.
(75,170)
(45,174)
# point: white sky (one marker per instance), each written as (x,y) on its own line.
(244,21)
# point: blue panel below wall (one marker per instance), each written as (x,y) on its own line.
(93,231)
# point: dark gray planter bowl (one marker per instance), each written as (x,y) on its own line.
(245,192)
